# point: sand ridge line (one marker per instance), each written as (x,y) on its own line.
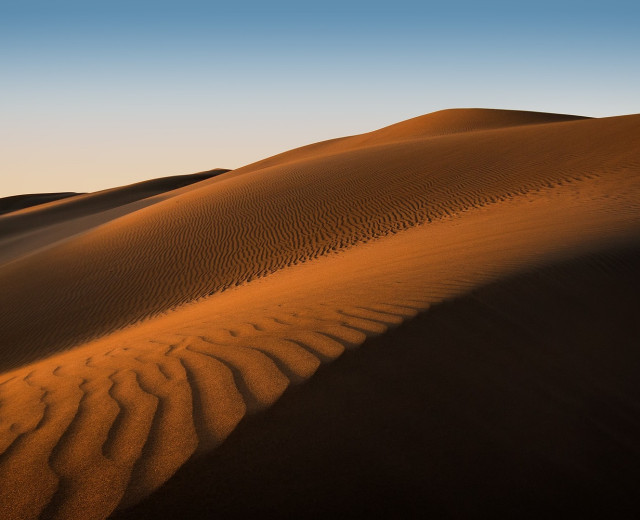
(433,125)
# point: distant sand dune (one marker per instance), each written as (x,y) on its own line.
(154,335)
(34,228)
(18,202)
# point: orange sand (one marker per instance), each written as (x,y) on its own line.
(142,332)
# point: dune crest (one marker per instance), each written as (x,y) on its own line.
(435,124)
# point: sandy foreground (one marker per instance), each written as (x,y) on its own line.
(478,269)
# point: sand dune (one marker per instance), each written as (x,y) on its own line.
(35,228)
(249,225)
(155,333)
(493,407)
(444,122)
(17,202)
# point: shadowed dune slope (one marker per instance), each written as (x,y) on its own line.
(227,231)
(520,399)
(17,202)
(24,232)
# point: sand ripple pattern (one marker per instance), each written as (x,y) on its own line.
(83,435)
(239,227)
(103,425)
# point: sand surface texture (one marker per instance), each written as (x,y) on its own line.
(131,344)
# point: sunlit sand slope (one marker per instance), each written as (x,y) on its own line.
(105,424)
(444,122)
(234,228)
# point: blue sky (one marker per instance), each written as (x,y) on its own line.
(101,93)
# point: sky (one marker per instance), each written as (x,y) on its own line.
(96,94)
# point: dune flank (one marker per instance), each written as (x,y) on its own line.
(247,224)
(18,202)
(36,228)
(146,339)
(486,405)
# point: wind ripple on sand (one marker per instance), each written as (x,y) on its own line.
(105,424)
(241,226)
(95,432)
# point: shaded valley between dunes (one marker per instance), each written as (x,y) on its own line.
(477,269)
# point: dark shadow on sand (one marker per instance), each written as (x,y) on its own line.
(521,399)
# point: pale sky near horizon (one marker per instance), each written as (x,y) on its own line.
(96,94)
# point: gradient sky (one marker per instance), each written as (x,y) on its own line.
(95,94)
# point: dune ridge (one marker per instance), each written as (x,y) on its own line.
(156,333)
(435,124)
